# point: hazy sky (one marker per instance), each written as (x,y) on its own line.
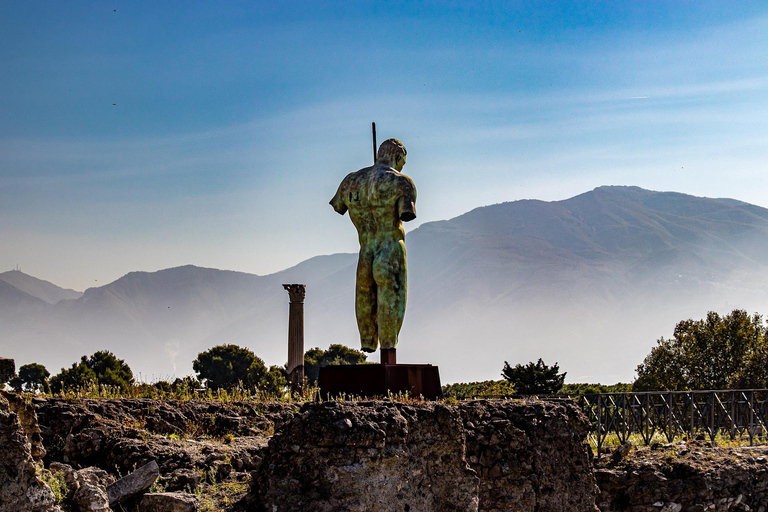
(146,135)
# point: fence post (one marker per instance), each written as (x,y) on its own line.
(692,398)
(646,419)
(751,416)
(699,418)
(670,435)
(625,430)
(599,424)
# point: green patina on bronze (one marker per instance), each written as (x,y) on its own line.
(379,199)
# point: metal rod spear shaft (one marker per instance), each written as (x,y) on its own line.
(373,130)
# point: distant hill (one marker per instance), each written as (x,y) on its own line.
(35,287)
(590,282)
(14,301)
(614,240)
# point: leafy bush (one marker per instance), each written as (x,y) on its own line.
(228,366)
(486,388)
(102,368)
(593,389)
(275,382)
(31,378)
(534,378)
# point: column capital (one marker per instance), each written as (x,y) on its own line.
(296,292)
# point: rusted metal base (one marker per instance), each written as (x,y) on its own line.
(377,380)
(389,356)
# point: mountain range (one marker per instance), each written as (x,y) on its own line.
(590,282)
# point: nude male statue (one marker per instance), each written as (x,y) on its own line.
(379,198)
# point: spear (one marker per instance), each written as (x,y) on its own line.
(373,129)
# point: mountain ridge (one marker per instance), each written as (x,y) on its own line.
(614,259)
(43,290)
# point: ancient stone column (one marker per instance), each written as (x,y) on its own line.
(296,334)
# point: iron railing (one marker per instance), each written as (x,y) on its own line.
(644,417)
(654,416)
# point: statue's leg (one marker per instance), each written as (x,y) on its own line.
(389,272)
(365,302)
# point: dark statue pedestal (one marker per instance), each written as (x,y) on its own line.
(377,380)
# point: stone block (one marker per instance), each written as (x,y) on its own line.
(383,456)
(91,498)
(482,456)
(169,502)
(135,483)
(530,455)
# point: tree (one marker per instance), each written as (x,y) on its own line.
(534,378)
(712,353)
(180,387)
(227,366)
(32,378)
(316,358)
(102,367)
(487,388)
(109,370)
(275,381)
(593,389)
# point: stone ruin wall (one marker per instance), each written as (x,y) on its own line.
(691,476)
(21,489)
(387,456)
(475,455)
(482,455)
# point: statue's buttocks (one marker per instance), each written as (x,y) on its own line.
(379,199)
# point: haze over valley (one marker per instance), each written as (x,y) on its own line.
(590,282)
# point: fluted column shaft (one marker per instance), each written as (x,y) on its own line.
(296,334)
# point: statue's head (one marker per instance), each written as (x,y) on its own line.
(392,152)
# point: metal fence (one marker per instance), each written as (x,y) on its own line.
(668,415)
(664,416)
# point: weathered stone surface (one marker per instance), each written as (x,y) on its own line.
(182,480)
(181,417)
(481,455)
(7,370)
(523,456)
(135,483)
(28,420)
(21,490)
(367,456)
(124,434)
(85,487)
(530,456)
(395,457)
(169,502)
(91,498)
(685,477)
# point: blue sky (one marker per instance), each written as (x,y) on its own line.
(146,135)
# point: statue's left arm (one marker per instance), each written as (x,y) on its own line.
(338,200)
(406,203)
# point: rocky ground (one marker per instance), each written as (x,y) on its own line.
(376,455)
(178,456)
(207,449)
(692,476)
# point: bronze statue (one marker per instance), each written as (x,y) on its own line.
(379,199)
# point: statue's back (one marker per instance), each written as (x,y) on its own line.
(373,195)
